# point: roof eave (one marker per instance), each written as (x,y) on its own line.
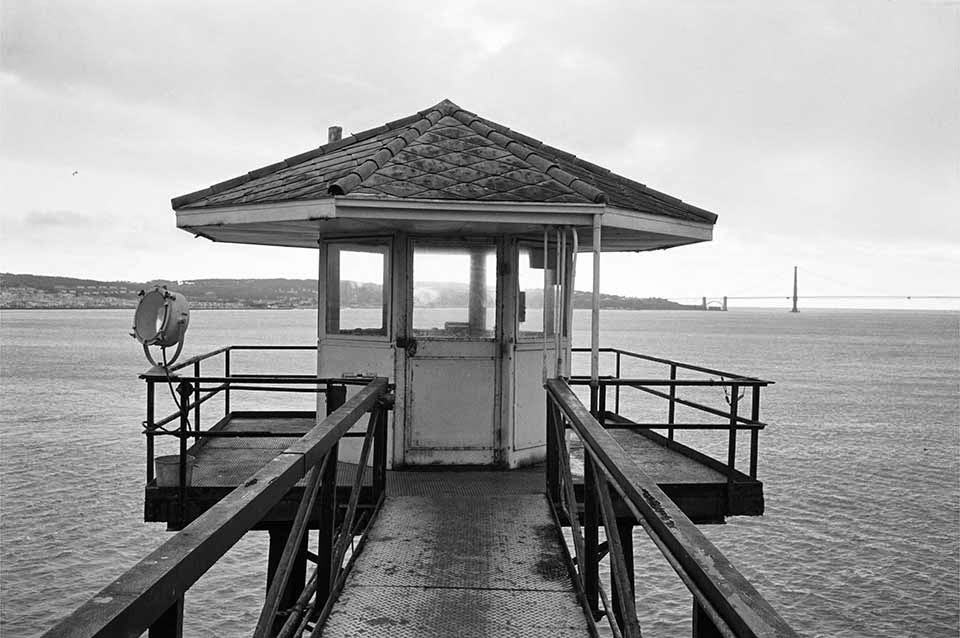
(280,223)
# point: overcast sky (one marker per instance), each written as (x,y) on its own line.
(824,135)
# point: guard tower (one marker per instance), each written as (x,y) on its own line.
(447,254)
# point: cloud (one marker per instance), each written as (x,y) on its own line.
(811,125)
(47,219)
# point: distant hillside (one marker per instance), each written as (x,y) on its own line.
(39,291)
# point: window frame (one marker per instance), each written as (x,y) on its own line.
(332,249)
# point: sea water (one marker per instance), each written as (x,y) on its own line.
(860,463)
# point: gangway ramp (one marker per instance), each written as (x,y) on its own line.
(465,554)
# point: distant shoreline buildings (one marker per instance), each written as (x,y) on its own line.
(24,291)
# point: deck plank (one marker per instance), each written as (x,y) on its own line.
(226,462)
(663,465)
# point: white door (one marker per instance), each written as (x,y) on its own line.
(452,354)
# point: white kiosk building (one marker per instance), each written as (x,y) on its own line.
(431,230)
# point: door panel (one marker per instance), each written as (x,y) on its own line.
(452,404)
(451,353)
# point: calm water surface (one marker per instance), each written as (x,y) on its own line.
(861,464)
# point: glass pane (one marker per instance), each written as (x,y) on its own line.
(454,292)
(530,305)
(356,281)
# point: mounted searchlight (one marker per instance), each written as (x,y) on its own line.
(161,320)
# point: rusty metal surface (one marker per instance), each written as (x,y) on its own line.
(465,613)
(228,462)
(664,466)
(453,566)
(471,483)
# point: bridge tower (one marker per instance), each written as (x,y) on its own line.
(795,290)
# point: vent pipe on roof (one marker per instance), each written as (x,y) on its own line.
(334,133)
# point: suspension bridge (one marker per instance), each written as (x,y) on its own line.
(722,303)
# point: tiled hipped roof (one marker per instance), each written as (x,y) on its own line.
(442,153)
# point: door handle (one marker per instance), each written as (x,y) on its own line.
(409,344)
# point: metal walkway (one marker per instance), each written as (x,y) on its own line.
(480,557)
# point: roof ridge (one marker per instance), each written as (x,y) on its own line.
(388,151)
(291,161)
(507,139)
(582,163)
(521,139)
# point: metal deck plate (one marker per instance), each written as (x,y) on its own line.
(492,543)
(466,613)
(453,566)
(465,483)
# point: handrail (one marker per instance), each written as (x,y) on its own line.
(206,355)
(728,599)
(615,381)
(149,590)
(733,385)
(679,364)
(196,358)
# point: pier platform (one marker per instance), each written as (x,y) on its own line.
(696,483)
(479,554)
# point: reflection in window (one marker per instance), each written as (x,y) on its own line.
(454,292)
(357,278)
(530,304)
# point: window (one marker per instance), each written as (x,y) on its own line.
(358,285)
(454,291)
(530,304)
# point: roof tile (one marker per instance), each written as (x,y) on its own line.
(441,152)
(466,190)
(464,174)
(429,180)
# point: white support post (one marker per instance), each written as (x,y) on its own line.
(558,303)
(595,314)
(571,291)
(546,284)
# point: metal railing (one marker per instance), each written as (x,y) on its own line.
(150,595)
(191,389)
(617,494)
(732,418)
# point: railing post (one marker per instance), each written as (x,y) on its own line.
(602,403)
(196,401)
(672,409)
(151,416)
(279,537)
(226,374)
(703,626)
(754,433)
(380,452)
(553,454)
(336,396)
(184,390)
(590,570)
(170,622)
(594,398)
(625,535)
(616,398)
(732,445)
(327,510)
(327,519)
(620,545)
